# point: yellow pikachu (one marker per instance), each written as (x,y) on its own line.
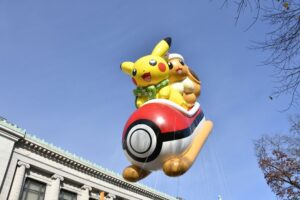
(150,74)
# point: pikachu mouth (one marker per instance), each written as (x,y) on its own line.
(147,77)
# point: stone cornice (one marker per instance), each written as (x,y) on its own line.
(10,130)
(56,154)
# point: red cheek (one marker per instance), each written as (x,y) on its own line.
(162,67)
(134,81)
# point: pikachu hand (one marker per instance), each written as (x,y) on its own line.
(140,101)
(164,93)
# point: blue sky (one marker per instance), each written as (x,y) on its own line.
(60,79)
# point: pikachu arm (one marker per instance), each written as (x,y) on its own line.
(164,93)
(140,101)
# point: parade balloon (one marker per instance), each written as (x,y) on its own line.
(166,132)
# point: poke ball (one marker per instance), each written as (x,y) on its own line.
(158,131)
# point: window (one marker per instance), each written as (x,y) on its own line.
(66,195)
(120,198)
(33,190)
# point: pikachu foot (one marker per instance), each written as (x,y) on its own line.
(176,166)
(134,173)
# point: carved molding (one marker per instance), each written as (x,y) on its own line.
(56,176)
(86,187)
(21,163)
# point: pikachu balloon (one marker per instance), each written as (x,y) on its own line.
(150,74)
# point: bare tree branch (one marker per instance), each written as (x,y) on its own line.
(283,40)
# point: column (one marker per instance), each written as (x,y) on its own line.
(85,193)
(53,192)
(18,180)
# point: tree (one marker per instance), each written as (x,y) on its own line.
(279,159)
(279,156)
(283,41)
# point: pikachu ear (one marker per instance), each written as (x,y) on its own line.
(127,67)
(162,47)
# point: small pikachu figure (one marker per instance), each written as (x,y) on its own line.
(150,74)
(183,79)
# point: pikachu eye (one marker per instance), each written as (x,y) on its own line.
(170,65)
(134,72)
(152,62)
(181,62)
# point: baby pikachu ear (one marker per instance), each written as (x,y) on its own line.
(127,67)
(162,47)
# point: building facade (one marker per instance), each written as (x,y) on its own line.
(31,169)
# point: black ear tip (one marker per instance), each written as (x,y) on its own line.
(168,40)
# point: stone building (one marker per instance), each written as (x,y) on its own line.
(31,169)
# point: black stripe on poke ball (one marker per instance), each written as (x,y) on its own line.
(158,147)
(169,136)
(149,145)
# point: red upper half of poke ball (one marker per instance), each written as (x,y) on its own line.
(167,118)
